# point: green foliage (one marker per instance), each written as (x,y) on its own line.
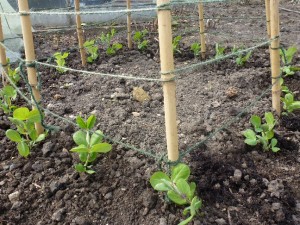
(289,104)
(7,95)
(196,48)
(139,38)
(13,74)
(176,44)
(106,40)
(88,146)
(219,50)
(242,58)
(287,56)
(60,59)
(262,133)
(92,50)
(25,134)
(178,189)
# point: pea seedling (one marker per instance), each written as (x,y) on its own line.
(7,94)
(60,59)
(92,50)
(196,48)
(25,135)
(111,48)
(139,38)
(242,58)
(13,74)
(287,56)
(219,50)
(289,104)
(262,133)
(176,44)
(89,146)
(178,189)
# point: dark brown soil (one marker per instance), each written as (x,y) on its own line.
(239,185)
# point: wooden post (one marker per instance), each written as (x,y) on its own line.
(129,38)
(80,33)
(202,30)
(267,5)
(169,88)
(3,60)
(275,55)
(30,54)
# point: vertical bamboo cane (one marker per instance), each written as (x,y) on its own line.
(169,88)
(129,39)
(275,56)
(80,33)
(202,30)
(3,60)
(267,5)
(29,53)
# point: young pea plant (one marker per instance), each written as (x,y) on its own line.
(60,59)
(88,145)
(25,135)
(287,56)
(176,44)
(7,94)
(178,189)
(262,133)
(196,48)
(242,58)
(289,104)
(139,38)
(219,50)
(111,48)
(92,50)
(14,74)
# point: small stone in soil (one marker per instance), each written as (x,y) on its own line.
(16,205)
(47,148)
(162,221)
(14,197)
(80,220)
(237,175)
(37,166)
(58,215)
(220,221)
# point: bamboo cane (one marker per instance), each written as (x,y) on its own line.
(202,30)
(267,5)
(80,33)
(3,60)
(275,55)
(169,88)
(129,38)
(30,54)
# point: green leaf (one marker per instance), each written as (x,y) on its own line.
(23,149)
(80,149)
(275,149)
(192,189)
(157,181)
(251,142)
(9,91)
(34,116)
(183,187)
(40,138)
(21,113)
(90,171)
(181,171)
(93,156)
(96,137)
(175,197)
(269,135)
(101,148)
(79,138)
(33,134)
(91,122)
(80,122)
(256,122)
(80,168)
(83,156)
(270,119)
(13,135)
(249,134)
(289,98)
